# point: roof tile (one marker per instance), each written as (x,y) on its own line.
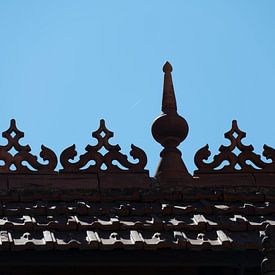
(5,240)
(75,239)
(55,222)
(94,222)
(31,240)
(245,240)
(119,239)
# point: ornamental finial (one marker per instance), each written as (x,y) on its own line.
(169,104)
(170,129)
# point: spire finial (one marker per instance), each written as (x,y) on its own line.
(170,129)
(167,67)
(169,104)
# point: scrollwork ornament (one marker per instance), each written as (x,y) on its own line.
(246,161)
(102,134)
(13,136)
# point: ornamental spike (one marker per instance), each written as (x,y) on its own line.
(169,104)
(170,129)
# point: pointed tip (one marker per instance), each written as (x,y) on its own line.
(169,104)
(13,123)
(234,123)
(167,68)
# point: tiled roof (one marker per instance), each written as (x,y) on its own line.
(211,220)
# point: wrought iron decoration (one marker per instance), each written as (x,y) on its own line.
(13,135)
(235,135)
(102,134)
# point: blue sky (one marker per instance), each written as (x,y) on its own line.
(66,64)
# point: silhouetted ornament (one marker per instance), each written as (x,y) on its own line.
(14,163)
(102,134)
(237,162)
(170,129)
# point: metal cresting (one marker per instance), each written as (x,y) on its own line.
(246,161)
(23,161)
(102,134)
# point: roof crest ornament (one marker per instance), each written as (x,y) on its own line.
(169,104)
(235,136)
(13,135)
(102,134)
(170,129)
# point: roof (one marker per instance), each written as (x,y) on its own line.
(84,206)
(196,218)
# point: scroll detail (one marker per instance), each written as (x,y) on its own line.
(102,134)
(235,135)
(13,135)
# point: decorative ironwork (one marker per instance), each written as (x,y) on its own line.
(235,135)
(102,134)
(13,135)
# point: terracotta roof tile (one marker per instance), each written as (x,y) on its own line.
(18,222)
(190,222)
(138,209)
(75,239)
(230,222)
(157,240)
(61,208)
(260,222)
(204,240)
(245,240)
(5,240)
(183,209)
(82,208)
(224,239)
(141,222)
(94,222)
(119,239)
(21,240)
(265,208)
(58,222)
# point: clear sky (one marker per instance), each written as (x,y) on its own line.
(66,64)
